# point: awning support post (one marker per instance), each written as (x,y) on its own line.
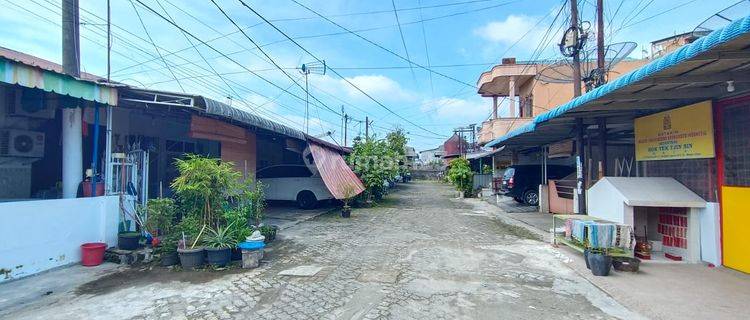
(602,124)
(72,151)
(580,168)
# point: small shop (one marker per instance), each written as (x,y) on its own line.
(662,149)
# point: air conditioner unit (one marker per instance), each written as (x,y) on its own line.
(16,98)
(21,143)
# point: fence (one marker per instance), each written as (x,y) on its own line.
(483,180)
(43,234)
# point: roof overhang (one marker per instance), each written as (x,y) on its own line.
(219,110)
(496,81)
(18,73)
(693,73)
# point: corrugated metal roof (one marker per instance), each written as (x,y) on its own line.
(223,110)
(33,61)
(340,180)
(701,46)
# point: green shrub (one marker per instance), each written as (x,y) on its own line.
(161,216)
(460,175)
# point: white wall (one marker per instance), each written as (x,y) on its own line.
(39,235)
(604,202)
(710,237)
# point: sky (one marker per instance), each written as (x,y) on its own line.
(414,67)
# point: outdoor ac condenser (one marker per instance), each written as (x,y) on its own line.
(21,143)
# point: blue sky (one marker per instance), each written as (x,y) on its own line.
(472,34)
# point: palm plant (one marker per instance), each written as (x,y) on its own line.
(220,237)
(205,185)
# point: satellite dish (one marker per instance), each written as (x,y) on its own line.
(722,18)
(561,71)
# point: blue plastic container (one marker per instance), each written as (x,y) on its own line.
(251,245)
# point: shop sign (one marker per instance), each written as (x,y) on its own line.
(682,133)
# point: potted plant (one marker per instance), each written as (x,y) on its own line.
(349,194)
(160,219)
(167,250)
(128,240)
(269,232)
(219,244)
(190,254)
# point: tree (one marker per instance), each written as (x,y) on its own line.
(374,162)
(397,144)
(461,176)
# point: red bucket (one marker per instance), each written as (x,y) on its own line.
(92,254)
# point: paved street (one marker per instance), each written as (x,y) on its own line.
(420,255)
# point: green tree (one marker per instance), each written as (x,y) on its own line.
(206,186)
(374,162)
(460,175)
(397,141)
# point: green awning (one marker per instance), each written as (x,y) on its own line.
(13,72)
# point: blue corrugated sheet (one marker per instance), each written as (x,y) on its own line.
(702,45)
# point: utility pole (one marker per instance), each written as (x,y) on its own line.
(108,139)
(72,144)
(600,41)
(346,127)
(367,128)
(576,53)
(307,105)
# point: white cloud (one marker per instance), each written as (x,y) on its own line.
(379,87)
(511,29)
(457,109)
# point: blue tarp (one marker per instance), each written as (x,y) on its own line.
(702,45)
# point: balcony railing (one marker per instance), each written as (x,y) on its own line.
(495,128)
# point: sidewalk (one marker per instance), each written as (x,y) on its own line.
(658,290)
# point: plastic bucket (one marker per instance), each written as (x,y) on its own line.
(92,254)
(600,264)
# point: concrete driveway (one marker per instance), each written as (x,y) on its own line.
(420,255)
(287,214)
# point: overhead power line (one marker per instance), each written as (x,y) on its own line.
(271,59)
(219,52)
(203,85)
(376,44)
(334,70)
(419,7)
(316,35)
(403,41)
(145,30)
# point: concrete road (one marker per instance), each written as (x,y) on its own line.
(421,254)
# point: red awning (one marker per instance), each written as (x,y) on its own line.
(338,177)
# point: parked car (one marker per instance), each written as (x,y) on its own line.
(521,182)
(294,183)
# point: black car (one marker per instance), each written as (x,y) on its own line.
(521,182)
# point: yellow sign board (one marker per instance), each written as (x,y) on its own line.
(682,133)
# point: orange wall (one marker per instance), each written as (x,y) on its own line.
(241,154)
(550,95)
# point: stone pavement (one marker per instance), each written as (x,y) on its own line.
(420,255)
(661,289)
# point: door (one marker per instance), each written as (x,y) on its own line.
(734,178)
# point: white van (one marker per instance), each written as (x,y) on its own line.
(293,183)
